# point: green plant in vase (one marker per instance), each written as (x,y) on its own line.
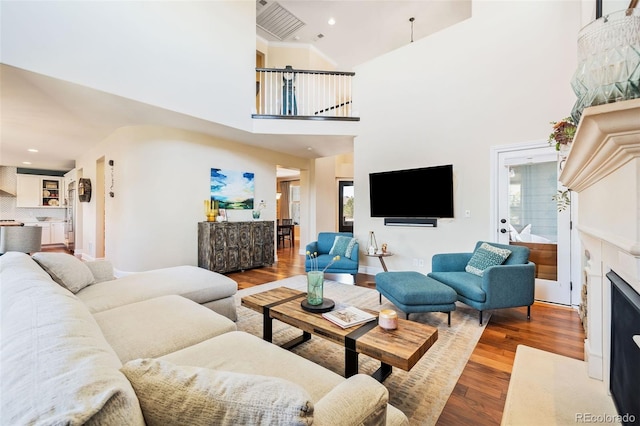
(563,199)
(315,279)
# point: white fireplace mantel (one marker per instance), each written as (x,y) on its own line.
(603,167)
(608,137)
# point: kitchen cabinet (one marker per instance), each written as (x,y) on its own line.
(39,191)
(57,232)
(28,191)
(235,246)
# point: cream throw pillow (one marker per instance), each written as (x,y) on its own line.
(65,269)
(181,395)
(102,270)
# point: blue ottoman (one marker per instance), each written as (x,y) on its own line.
(413,292)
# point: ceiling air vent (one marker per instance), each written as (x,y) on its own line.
(277,21)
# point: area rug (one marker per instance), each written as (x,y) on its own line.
(420,393)
(551,389)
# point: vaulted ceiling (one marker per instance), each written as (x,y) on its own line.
(62,119)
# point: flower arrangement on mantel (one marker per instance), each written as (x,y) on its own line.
(563,133)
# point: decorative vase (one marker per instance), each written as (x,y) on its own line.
(315,282)
(210,210)
(256,214)
(608,58)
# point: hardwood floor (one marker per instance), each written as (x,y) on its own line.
(479,396)
(481,391)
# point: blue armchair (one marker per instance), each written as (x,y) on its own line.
(323,246)
(508,285)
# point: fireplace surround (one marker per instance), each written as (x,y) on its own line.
(625,348)
(603,167)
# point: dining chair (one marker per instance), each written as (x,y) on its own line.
(285,232)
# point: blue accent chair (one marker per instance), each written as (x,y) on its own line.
(508,285)
(323,245)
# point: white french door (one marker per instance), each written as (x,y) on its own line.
(527,214)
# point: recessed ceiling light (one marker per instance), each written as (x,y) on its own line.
(26,162)
(331,21)
(32,150)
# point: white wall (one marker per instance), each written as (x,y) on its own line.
(161,179)
(194,57)
(497,78)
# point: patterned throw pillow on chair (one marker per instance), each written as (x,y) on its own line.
(342,246)
(485,256)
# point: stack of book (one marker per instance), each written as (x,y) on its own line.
(348,317)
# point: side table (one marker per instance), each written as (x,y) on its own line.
(381,256)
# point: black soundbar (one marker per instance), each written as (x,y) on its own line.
(410,221)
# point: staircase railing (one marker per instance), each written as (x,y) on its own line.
(304,94)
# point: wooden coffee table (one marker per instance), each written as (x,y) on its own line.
(400,348)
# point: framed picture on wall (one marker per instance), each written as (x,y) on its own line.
(234,190)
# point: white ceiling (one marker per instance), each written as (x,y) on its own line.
(366,29)
(62,119)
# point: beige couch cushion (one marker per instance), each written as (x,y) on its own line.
(57,367)
(174,395)
(239,351)
(360,397)
(65,269)
(159,326)
(197,284)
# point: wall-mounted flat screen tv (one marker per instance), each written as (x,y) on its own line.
(413,193)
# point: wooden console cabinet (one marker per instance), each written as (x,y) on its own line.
(235,246)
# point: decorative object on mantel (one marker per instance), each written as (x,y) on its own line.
(563,133)
(608,60)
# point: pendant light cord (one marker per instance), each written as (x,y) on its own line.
(411,20)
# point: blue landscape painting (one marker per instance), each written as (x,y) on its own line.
(232,189)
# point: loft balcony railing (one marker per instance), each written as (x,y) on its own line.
(304,94)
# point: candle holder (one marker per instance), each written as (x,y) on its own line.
(210,210)
(388,319)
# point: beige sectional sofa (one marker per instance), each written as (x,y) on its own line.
(126,357)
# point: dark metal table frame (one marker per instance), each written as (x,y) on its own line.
(350,354)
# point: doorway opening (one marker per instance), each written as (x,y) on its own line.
(527,214)
(345,206)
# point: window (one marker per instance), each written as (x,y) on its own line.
(294,204)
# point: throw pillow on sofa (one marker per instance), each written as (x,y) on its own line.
(342,246)
(485,256)
(65,269)
(181,395)
(102,270)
